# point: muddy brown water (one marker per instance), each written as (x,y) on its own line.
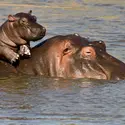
(29,100)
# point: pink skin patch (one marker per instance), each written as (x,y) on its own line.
(11,18)
(88,53)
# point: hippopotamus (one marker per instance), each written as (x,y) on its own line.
(16,33)
(70,56)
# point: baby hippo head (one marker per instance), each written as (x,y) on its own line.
(26,26)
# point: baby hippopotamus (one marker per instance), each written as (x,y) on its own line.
(16,34)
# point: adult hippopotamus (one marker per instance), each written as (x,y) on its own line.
(16,33)
(70,56)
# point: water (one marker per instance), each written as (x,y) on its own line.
(29,100)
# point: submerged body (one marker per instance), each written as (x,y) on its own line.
(72,56)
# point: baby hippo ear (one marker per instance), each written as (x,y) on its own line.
(30,12)
(11,18)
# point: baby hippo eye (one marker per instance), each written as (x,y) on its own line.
(24,21)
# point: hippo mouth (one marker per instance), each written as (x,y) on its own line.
(35,38)
(37,34)
(92,69)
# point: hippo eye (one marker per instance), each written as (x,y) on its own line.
(66,51)
(24,21)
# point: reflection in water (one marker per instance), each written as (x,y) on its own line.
(28,100)
(36,99)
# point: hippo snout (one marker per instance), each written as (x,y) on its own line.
(43,30)
(37,32)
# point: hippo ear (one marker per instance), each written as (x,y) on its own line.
(11,18)
(88,52)
(30,12)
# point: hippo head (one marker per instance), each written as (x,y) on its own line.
(73,56)
(26,27)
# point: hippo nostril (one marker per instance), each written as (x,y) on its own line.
(43,29)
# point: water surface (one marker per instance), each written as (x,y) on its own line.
(28,100)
